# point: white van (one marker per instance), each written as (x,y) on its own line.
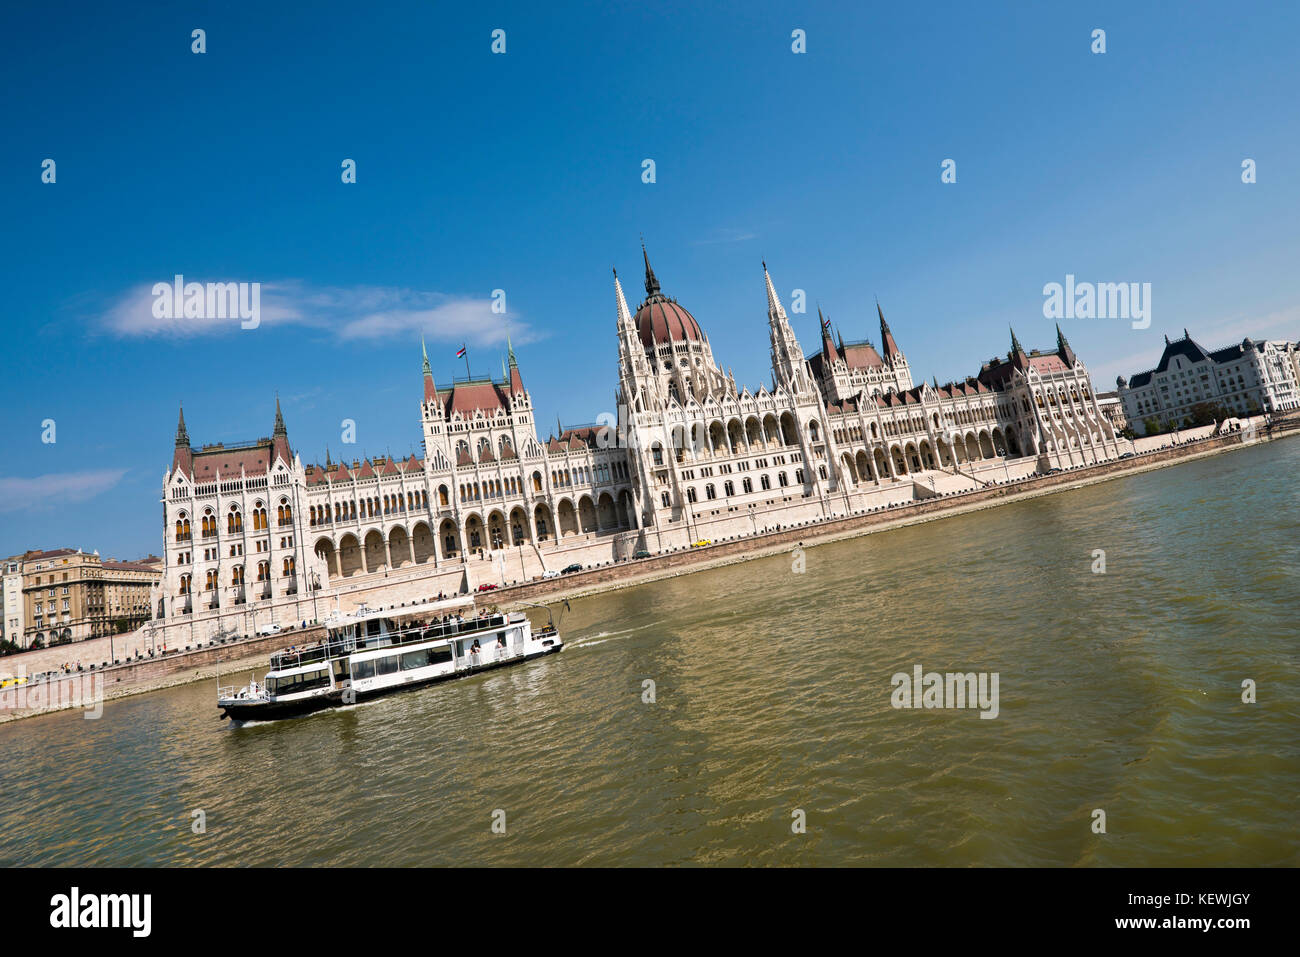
(271,629)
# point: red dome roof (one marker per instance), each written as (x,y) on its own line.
(661,320)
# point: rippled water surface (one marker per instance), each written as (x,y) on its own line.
(1119,691)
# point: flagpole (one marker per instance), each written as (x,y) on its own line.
(468,374)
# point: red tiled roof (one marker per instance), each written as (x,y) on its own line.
(1049,363)
(468,397)
(862,356)
(229,462)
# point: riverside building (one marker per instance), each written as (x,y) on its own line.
(692,455)
(1247,378)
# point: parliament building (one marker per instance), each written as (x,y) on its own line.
(692,455)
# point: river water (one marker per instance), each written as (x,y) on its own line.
(1119,692)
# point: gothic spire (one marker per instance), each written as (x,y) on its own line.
(1015,343)
(280,430)
(1063,346)
(182,436)
(887,342)
(828,346)
(427,371)
(774,308)
(651,283)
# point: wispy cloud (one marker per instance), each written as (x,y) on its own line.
(56,489)
(348,313)
(726,235)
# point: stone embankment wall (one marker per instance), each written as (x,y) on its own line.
(76,688)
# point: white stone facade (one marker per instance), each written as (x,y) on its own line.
(692,456)
(1255,376)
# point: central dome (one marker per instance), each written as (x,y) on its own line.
(660,320)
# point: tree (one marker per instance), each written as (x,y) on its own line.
(1205,413)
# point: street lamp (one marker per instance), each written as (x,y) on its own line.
(315,584)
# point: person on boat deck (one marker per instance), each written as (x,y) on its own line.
(474,648)
(501,641)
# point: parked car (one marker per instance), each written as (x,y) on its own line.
(550,573)
(701,543)
(1127,455)
(487,586)
(271,629)
(1053,471)
(641,553)
(575,567)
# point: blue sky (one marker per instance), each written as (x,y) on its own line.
(522,172)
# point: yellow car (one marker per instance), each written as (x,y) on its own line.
(12,682)
(701,543)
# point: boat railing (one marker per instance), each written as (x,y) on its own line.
(345,646)
(491,655)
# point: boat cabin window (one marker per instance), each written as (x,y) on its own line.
(386,665)
(293,684)
(425,657)
(363,669)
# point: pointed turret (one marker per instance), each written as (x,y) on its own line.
(651,283)
(887,344)
(828,347)
(512,373)
(182,435)
(1063,347)
(280,437)
(624,315)
(1017,356)
(774,308)
(182,457)
(787,356)
(430,389)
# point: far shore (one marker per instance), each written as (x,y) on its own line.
(659,568)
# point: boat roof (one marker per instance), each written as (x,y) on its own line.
(417,609)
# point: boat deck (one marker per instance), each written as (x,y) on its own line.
(330,650)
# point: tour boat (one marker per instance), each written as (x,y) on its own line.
(370,653)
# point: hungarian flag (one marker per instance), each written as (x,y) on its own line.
(461,354)
(826,323)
